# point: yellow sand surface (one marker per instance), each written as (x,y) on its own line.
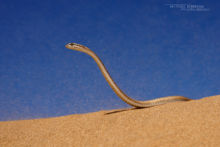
(192,123)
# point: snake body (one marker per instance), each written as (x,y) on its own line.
(116,89)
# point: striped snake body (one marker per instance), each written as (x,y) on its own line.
(116,89)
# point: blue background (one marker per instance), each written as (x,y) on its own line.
(150,50)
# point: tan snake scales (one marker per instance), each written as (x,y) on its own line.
(116,89)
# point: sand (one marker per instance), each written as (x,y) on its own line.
(193,123)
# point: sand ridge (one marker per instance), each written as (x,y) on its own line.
(192,123)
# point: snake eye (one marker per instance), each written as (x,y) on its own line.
(72,44)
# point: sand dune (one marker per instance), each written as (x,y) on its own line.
(193,123)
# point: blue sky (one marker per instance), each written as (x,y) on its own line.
(150,48)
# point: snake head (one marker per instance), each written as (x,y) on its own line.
(78,47)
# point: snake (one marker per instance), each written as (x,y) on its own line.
(116,89)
